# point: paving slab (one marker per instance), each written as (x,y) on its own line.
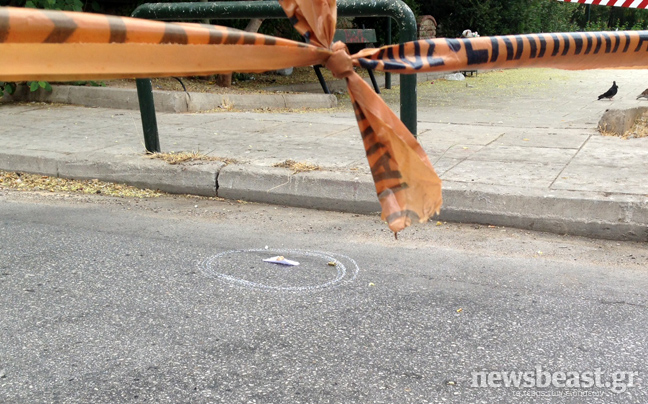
(542,138)
(451,133)
(612,151)
(604,179)
(443,164)
(543,155)
(451,151)
(511,173)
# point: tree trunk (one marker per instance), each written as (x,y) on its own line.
(225,80)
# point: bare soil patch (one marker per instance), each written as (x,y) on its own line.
(242,83)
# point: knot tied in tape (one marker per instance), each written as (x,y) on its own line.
(340,63)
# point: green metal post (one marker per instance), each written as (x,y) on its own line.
(389,41)
(147,111)
(396,9)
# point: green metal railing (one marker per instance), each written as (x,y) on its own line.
(395,9)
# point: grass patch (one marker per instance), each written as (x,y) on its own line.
(186,157)
(297,167)
(639,129)
(252,82)
(36,182)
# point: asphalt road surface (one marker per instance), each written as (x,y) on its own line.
(168,300)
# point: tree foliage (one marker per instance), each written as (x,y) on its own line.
(488,17)
(504,17)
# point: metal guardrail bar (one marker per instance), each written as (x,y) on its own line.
(388,75)
(395,9)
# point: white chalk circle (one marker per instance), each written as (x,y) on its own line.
(315,271)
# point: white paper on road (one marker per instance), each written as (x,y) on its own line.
(281,260)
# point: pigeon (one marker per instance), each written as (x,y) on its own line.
(644,94)
(611,92)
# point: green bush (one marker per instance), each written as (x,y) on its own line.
(8,88)
(504,17)
(69,5)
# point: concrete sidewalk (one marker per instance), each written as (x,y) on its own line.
(526,157)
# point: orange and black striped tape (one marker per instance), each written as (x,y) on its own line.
(408,188)
(19,25)
(566,50)
(57,46)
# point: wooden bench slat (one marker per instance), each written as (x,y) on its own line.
(355,35)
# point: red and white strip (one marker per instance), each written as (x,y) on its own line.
(616,3)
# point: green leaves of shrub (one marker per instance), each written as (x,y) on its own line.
(9,88)
(90,83)
(69,5)
(35,85)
